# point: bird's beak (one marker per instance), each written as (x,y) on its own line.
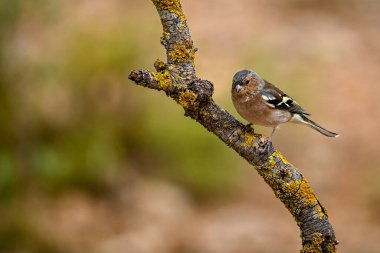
(238,88)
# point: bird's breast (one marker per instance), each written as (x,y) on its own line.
(254,110)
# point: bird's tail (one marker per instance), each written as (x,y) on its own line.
(304,120)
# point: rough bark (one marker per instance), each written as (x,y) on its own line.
(177,78)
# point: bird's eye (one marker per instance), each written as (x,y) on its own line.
(245,81)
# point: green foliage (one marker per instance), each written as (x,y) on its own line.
(188,154)
(70,119)
(7,176)
(17,236)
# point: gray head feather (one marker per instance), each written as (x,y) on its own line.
(242,74)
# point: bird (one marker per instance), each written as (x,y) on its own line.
(262,103)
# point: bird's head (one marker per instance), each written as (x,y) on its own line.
(246,81)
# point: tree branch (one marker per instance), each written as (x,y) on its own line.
(178,80)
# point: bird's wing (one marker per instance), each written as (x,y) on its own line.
(275,98)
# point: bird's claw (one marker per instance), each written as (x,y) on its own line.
(249,128)
(268,145)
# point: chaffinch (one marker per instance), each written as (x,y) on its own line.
(261,103)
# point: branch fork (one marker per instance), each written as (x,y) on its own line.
(177,78)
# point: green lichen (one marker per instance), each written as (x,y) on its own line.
(163,79)
(173,6)
(315,246)
(181,54)
(187,99)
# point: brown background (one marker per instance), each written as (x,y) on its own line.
(90,162)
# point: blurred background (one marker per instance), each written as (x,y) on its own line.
(89,162)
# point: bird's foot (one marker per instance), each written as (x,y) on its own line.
(268,145)
(249,128)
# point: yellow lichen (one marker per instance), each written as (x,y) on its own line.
(173,6)
(249,140)
(276,156)
(282,158)
(285,173)
(163,79)
(272,161)
(292,187)
(307,193)
(325,211)
(320,213)
(302,189)
(165,35)
(182,27)
(331,247)
(315,246)
(181,54)
(187,99)
(164,38)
